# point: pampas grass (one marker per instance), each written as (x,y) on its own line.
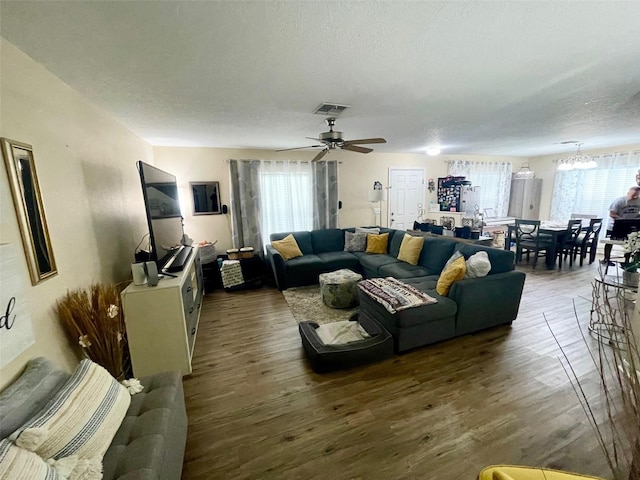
(615,416)
(93,318)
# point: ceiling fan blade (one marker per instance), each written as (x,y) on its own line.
(365,140)
(354,148)
(298,148)
(320,155)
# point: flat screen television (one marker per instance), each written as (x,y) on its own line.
(160,191)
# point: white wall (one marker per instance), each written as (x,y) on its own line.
(357,172)
(545,167)
(85,162)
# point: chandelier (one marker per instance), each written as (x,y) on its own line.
(524,173)
(579,161)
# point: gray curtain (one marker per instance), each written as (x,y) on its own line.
(325,194)
(245,204)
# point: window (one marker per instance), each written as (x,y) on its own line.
(494,180)
(286,191)
(593,191)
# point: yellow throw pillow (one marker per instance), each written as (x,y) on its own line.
(452,273)
(377,243)
(410,249)
(287,247)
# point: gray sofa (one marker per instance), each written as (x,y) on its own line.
(150,443)
(472,304)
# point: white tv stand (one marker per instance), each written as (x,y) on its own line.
(162,321)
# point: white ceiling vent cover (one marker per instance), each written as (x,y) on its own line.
(332,109)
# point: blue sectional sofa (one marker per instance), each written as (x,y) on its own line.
(472,304)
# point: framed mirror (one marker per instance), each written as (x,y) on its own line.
(206,198)
(21,171)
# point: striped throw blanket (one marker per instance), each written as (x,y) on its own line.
(394,295)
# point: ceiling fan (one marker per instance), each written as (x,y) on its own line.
(331,140)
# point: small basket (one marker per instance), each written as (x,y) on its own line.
(207,253)
(240,254)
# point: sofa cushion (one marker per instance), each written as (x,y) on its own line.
(402,270)
(26,396)
(303,239)
(150,442)
(377,243)
(338,260)
(395,241)
(355,242)
(423,283)
(410,249)
(327,240)
(373,262)
(308,262)
(80,419)
(287,247)
(435,253)
(445,308)
(501,260)
(454,272)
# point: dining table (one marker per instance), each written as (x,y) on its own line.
(556,230)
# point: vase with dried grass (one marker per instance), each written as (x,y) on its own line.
(94,319)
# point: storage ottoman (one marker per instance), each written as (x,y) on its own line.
(339,289)
(324,358)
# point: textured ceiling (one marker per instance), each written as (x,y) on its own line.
(493,78)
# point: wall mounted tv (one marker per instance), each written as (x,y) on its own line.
(160,191)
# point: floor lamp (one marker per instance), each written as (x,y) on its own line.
(377,196)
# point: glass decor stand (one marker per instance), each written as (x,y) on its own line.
(612,306)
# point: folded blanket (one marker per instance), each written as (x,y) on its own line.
(395,295)
(339,333)
(231,273)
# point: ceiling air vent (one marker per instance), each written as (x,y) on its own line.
(332,109)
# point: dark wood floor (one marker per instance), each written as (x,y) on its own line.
(256,409)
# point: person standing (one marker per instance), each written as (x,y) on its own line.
(627,206)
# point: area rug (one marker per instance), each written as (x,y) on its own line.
(306,305)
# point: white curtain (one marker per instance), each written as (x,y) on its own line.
(592,191)
(493,178)
(286,194)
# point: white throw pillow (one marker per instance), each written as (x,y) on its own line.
(16,462)
(374,230)
(478,265)
(80,420)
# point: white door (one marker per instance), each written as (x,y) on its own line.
(406,191)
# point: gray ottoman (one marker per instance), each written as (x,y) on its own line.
(339,289)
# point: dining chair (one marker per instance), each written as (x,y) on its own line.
(529,240)
(569,241)
(585,217)
(588,240)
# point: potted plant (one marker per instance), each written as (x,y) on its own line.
(630,275)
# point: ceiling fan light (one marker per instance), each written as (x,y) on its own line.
(433,151)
